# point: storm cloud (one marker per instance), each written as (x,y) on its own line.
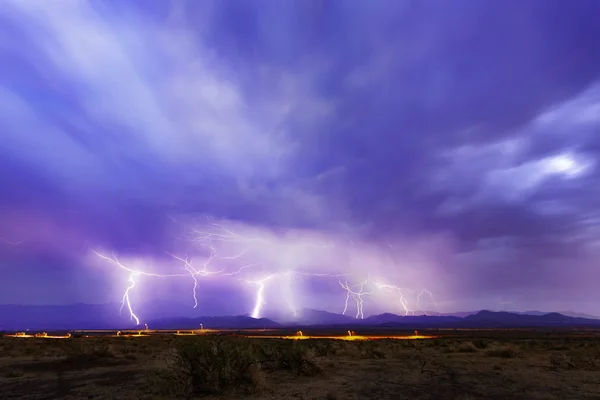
(443,145)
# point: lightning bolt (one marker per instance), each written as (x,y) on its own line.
(127,301)
(207,239)
(288,298)
(422,293)
(403,302)
(221,234)
(194,273)
(218,233)
(356,295)
(259,302)
(133,273)
(212,238)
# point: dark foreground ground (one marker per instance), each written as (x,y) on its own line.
(487,364)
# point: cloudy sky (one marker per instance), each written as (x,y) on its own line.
(448,146)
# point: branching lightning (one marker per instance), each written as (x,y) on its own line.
(401,300)
(421,294)
(358,292)
(356,295)
(195,272)
(133,273)
(212,261)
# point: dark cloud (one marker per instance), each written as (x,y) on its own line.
(382,121)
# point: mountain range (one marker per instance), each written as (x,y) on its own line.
(105,316)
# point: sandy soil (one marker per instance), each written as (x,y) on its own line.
(505,366)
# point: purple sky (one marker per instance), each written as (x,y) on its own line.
(442,145)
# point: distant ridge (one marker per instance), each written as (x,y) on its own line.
(567,313)
(479,319)
(225,322)
(505,319)
(105,316)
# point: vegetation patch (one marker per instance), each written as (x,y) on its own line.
(209,365)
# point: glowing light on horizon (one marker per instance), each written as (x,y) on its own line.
(351,336)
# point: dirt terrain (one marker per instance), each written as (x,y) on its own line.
(464,365)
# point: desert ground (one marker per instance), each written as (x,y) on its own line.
(461,365)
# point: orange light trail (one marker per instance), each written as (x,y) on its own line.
(351,336)
(42,335)
(345,337)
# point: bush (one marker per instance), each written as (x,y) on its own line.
(467,347)
(298,359)
(322,348)
(504,351)
(370,349)
(84,354)
(209,366)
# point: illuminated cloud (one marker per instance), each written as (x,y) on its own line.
(512,169)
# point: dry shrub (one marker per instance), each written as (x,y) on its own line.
(480,343)
(467,347)
(371,349)
(503,351)
(209,366)
(298,358)
(82,354)
(323,347)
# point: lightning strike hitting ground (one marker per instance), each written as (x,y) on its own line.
(421,294)
(403,302)
(401,299)
(357,296)
(126,298)
(132,275)
(210,242)
(260,301)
